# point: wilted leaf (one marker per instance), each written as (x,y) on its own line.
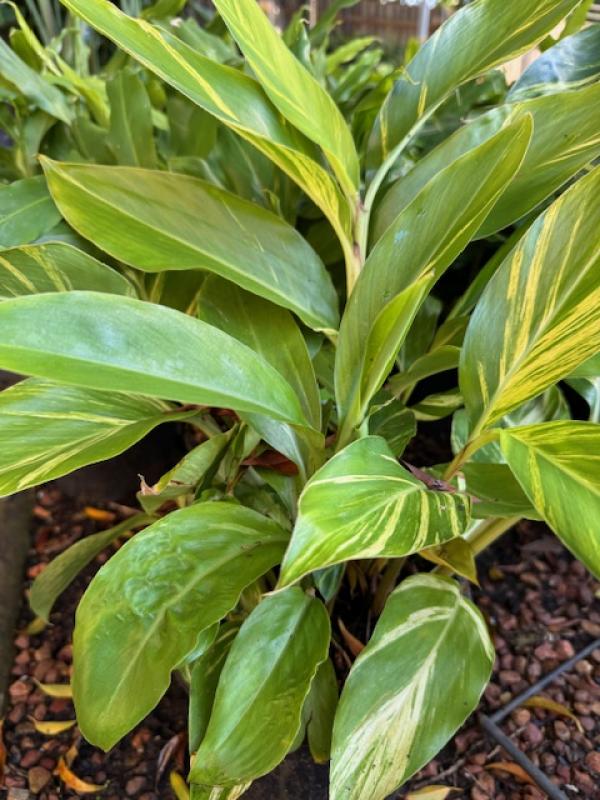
(539,701)
(354,645)
(179,786)
(512,769)
(433,792)
(59,690)
(52,727)
(73,782)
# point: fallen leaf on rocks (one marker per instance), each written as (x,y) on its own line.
(512,769)
(73,782)
(60,690)
(539,701)
(53,727)
(72,752)
(353,644)
(2,753)
(99,514)
(179,786)
(432,793)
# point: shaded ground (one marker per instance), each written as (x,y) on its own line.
(540,603)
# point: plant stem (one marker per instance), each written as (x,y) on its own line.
(475,443)
(488,531)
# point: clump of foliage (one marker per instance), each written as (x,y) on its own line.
(244,234)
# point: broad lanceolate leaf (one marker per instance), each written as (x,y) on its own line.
(120,344)
(56,267)
(142,613)
(481,36)
(31,85)
(273,333)
(569,63)
(291,87)
(26,212)
(425,238)
(363,504)
(558,466)
(539,316)
(262,688)
(59,573)
(320,708)
(131,134)
(565,139)
(48,430)
(164,221)
(415,683)
(234,98)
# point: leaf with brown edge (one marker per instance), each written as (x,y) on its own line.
(512,769)
(352,643)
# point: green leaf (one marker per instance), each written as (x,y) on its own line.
(120,344)
(191,475)
(393,422)
(321,705)
(568,64)
(539,316)
(60,572)
(131,134)
(437,225)
(56,267)
(589,389)
(234,98)
(565,139)
(142,613)
(217,792)
(150,220)
(411,688)
(262,689)
(440,359)
(481,36)
(26,212)
(30,84)
(272,333)
(363,504)
(556,463)
(206,671)
(292,88)
(497,492)
(48,430)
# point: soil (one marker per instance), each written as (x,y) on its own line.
(541,604)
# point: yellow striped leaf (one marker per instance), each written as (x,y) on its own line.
(415,683)
(565,138)
(233,97)
(363,504)
(48,430)
(558,466)
(481,36)
(539,317)
(151,220)
(292,88)
(56,267)
(425,238)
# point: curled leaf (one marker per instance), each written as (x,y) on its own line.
(52,727)
(73,782)
(99,514)
(354,645)
(62,691)
(432,793)
(513,769)
(539,701)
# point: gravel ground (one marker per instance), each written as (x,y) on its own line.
(541,605)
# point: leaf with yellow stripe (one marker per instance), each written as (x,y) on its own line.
(539,316)
(558,466)
(417,248)
(363,504)
(48,430)
(56,267)
(234,98)
(481,36)
(292,88)
(411,688)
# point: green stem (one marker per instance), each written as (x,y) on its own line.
(488,531)
(477,441)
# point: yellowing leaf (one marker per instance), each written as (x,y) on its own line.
(179,786)
(512,769)
(36,626)
(98,514)
(53,727)
(73,782)
(539,701)
(60,690)
(354,645)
